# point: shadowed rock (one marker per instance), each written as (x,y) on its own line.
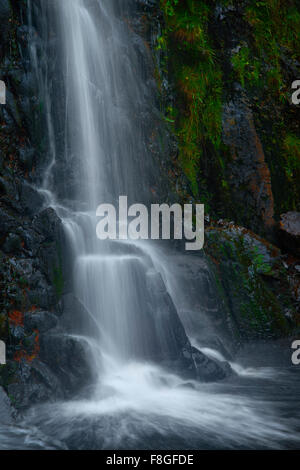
(290,231)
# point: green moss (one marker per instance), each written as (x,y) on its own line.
(254,290)
(169,6)
(259,67)
(276,25)
(198,83)
(292,157)
(200,72)
(258,263)
(247,68)
(276,22)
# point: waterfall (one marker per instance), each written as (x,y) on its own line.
(136,304)
(103,155)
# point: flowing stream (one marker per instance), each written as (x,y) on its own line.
(145,392)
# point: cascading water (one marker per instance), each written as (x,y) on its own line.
(145,393)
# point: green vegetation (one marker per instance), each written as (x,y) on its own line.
(250,280)
(252,284)
(247,69)
(195,59)
(198,83)
(258,263)
(276,25)
(292,155)
(275,28)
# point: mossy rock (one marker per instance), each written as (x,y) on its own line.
(253,282)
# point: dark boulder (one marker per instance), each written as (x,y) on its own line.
(48,224)
(209,370)
(13,244)
(6,412)
(26,156)
(67,359)
(34,383)
(5,13)
(254,281)
(32,200)
(249,175)
(42,321)
(289,229)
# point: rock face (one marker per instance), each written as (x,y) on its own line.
(209,370)
(259,286)
(240,169)
(6,413)
(248,173)
(31,238)
(227,101)
(43,362)
(290,232)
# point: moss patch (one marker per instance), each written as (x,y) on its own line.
(253,282)
(198,82)
(256,45)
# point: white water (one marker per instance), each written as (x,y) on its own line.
(129,329)
(104,155)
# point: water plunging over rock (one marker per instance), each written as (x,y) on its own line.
(100,103)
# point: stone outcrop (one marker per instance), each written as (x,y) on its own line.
(31,237)
(255,279)
(248,173)
(258,283)
(227,102)
(289,227)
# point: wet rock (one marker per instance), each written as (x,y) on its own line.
(17,332)
(29,236)
(74,316)
(48,224)
(67,358)
(12,108)
(5,13)
(289,229)
(209,370)
(42,294)
(32,240)
(249,175)
(26,156)
(253,282)
(32,200)
(5,10)
(7,222)
(41,321)
(13,244)
(177,353)
(8,188)
(6,412)
(34,383)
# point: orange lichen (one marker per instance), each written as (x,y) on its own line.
(16,318)
(22,354)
